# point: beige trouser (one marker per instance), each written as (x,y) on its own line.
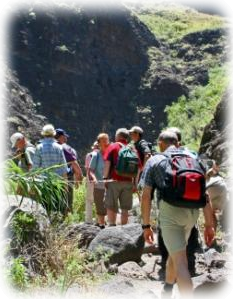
(89,201)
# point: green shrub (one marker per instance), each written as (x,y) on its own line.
(22,225)
(13,280)
(192,114)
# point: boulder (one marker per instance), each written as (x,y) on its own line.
(210,286)
(122,243)
(119,289)
(132,270)
(84,232)
(24,222)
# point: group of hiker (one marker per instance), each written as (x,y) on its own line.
(176,177)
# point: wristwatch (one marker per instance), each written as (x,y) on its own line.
(144,226)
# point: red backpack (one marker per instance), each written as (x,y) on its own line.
(184,183)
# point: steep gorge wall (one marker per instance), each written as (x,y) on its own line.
(85,69)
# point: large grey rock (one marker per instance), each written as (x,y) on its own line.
(212,286)
(122,243)
(84,232)
(35,231)
(119,289)
(132,270)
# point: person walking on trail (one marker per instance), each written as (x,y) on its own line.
(89,185)
(96,172)
(122,165)
(141,145)
(193,243)
(179,205)
(218,192)
(74,172)
(25,151)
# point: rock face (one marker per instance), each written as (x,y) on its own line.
(24,222)
(122,243)
(221,7)
(21,113)
(84,232)
(214,140)
(217,143)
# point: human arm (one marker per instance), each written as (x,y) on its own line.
(145,211)
(209,232)
(77,172)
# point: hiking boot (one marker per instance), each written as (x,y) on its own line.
(101,226)
(167,295)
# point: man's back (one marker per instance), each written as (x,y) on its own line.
(50,153)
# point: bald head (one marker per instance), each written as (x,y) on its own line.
(166,139)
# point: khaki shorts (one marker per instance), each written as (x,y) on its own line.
(99,201)
(176,224)
(119,191)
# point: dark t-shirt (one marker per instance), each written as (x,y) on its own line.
(142,148)
(70,155)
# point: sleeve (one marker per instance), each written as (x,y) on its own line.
(37,159)
(63,164)
(69,155)
(93,162)
(29,155)
(149,178)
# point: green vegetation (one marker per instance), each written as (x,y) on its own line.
(13,280)
(63,264)
(43,185)
(78,214)
(22,225)
(173,24)
(193,113)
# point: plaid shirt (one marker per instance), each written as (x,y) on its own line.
(50,153)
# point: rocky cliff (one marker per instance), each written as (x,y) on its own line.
(215,142)
(96,70)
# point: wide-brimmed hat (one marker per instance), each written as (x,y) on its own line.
(48,130)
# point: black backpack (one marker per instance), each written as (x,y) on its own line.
(184,182)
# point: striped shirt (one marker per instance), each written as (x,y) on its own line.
(50,153)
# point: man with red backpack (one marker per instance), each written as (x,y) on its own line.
(180,183)
(122,165)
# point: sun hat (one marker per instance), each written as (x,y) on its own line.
(15,137)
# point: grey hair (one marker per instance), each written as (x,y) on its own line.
(123,133)
(168,137)
(177,131)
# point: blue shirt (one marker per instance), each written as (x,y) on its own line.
(50,153)
(97,166)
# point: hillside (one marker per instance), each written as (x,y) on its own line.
(90,71)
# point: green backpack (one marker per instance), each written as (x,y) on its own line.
(127,161)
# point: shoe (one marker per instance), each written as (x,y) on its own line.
(167,295)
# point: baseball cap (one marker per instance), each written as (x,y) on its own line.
(60,132)
(136,129)
(15,137)
(48,130)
